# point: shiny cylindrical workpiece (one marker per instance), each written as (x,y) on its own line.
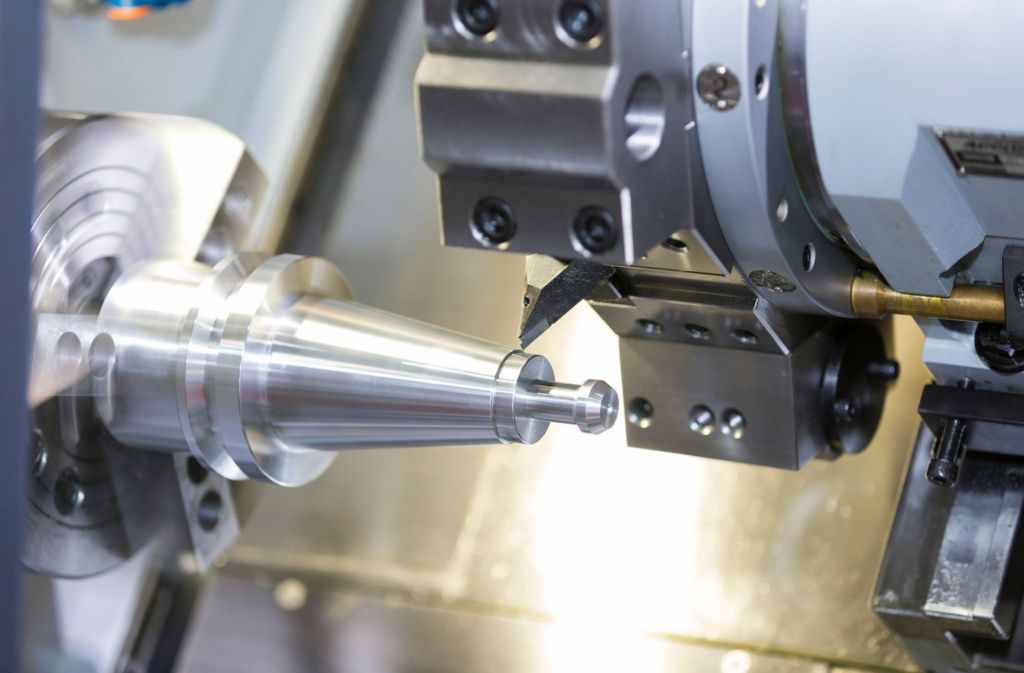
(264,367)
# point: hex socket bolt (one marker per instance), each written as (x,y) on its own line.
(948,453)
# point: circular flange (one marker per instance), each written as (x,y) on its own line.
(251,316)
(757,196)
(853,388)
(200,333)
(517,370)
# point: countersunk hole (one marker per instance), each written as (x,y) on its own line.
(810,256)
(493,222)
(675,244)
(641,411)
(745,337)
(650,326)
(645,118)
(594,231)
(702,420)
(782,210)
(734,424)
(698,332)
(197,474)
(209,511)
(761,82)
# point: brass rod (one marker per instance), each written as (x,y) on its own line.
(872,298)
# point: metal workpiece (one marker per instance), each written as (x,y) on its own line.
(584,144)
(871,297)
(150,332)
(262,368)
(592,406)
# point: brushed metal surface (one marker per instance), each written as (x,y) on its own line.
(309,627)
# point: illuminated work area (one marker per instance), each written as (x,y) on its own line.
(512,335)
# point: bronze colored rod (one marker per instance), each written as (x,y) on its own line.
(872,298)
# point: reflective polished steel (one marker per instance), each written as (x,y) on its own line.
(263,367)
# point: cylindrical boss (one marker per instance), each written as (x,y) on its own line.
(144,313)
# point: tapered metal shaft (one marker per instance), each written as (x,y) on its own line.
(264,367)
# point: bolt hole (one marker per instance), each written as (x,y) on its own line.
(810,256)
(641,412)
(526,301)
(209,511)
(734,424)
(698,332)
(594,231)
(650,326)
(580,23)
(197,474)
(702,420)
(745,337)
(675,244)
(493,222)
(477,18)
(782,211)
(645,118)
(761,82)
